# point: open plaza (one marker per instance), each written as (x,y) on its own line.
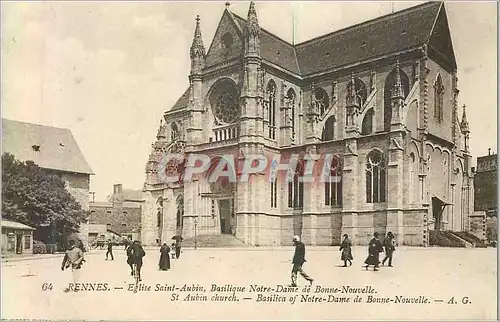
(252,284)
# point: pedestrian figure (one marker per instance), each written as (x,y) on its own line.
(110,250)
(345,247)
(173,250)
(374,248)
(135,253)
(74,259)
(177,248)
(299,258)
(164,263)
(80,245)
(389,245)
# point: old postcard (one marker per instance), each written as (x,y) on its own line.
(249,160)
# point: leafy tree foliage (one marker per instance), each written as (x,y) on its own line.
(37,197)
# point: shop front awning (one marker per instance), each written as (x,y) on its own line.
(15,225)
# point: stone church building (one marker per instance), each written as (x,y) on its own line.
(382,96)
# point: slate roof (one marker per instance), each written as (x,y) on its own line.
(15,225)
(182,102)
(109,204)
(395,32)
(274,49)
(58,149)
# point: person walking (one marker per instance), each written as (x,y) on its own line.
(374,249)
(177,248)
(135,253)
(345,247)
(73,258)
(390,247)
(110,250)
(299,258)
(164,263)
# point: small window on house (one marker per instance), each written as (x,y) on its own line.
(27,242)
(124,224)
(124,212)
(35,147)
(108,212)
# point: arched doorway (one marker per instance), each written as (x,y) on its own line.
(222,194)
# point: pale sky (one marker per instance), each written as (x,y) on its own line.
(108,70)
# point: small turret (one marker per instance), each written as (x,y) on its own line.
(397,91)
(464,125)
(397,100)
(161,135)
(197,51)
(252,32)
(351,93)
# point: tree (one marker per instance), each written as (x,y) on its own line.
(37,197)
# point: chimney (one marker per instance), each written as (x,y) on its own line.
(117,188)
(489,151)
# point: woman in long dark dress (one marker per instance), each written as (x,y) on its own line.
(345,247)
(164,263)
(374,249)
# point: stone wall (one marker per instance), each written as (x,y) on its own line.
(78,186)
(478,224)
(123,220)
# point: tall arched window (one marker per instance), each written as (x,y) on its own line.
(412,179)
(296,188)
(274,193)
(321,100)
(271,98)
(180,212)
(438,99)
(290,97)
(375,177)
(367,125)
(174,132)
(388,87)
(329,129)
(333,189)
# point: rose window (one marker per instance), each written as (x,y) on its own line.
(226,108)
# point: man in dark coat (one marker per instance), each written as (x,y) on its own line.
(135,253)
(177,248)
(110,250)
(345,247)
(374,249)
(389,245)
(299,258)
(164,263)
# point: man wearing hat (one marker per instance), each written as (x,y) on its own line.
(74,259)
(299,258)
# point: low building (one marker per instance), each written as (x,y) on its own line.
(54,150)
(120,214)
(17,238)
(485,184)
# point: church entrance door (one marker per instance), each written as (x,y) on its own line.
(226,215)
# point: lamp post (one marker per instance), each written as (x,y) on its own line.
(195,225)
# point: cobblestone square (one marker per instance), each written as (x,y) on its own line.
(436,274)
